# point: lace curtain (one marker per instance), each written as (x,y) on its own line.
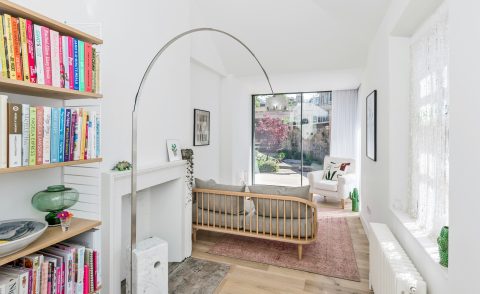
(429,98)
(344,123)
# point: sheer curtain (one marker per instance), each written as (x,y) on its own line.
(344,124)
(429,98)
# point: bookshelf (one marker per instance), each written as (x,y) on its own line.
(45,166)
(52,236)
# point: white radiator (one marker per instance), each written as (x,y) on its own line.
(391,270)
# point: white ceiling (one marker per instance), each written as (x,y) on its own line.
(292,35)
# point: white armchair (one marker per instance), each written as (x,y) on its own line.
(334,189)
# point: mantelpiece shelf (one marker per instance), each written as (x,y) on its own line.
(32,89)
(63,29)
(45,166)
(52,236)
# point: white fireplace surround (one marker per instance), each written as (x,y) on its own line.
(163,210)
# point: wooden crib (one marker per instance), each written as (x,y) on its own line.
(273,217)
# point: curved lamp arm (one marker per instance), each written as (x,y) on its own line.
(133,199)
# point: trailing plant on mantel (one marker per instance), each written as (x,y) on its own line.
(187,154)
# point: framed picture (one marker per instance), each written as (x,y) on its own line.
(372,126)
(201,127)
(174,150)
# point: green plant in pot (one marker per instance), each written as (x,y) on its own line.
(355,198)
(442,241)
(54,200)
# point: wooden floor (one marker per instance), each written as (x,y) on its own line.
(252,277)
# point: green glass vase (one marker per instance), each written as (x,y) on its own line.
(442,241)
(54,200)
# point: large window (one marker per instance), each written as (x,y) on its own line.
(428,202)
(291,136)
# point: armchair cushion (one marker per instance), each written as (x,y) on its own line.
(326,185)
(335,169)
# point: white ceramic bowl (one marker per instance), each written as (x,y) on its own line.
(20,233)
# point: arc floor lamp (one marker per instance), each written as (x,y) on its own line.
(133,199)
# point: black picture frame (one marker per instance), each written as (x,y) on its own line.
(371,126)
(201,136)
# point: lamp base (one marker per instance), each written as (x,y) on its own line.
(52,219)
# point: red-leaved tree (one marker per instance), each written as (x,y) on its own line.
(272,132)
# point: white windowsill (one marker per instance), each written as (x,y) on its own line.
(428,244)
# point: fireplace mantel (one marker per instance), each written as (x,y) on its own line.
(168,215)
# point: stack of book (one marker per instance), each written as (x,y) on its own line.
(65,268)
(37,54)
(34,135)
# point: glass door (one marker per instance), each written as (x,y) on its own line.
(291,136)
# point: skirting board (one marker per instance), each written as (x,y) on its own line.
(365,225)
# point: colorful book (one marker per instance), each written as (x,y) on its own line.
(65,62)
(3,131)
(24,49)
(95,270)
(71,71)
(89,261)
(76,67)
(97,72)
(83,136)
(69,266)
(14,135)
(81,65)
(22,277)
(97,135)
(37,30)
(44,278)
(47,57)
(73,129)
(77,138)
(40,118)
(3,56)
(32,154)
(55,57)
(78,252)
(59,273)
(7,25)
(86,280)
(9,283)
(34,261)
(31,52)
(61,135)
(68,130)
(55,136)
(47,125)
(17,48)
(62,67)
(25,134)
(88,67)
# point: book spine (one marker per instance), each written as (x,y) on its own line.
(95,270)
(14,135)
(97,72)
(32,156)
(62,66)
(47,125)
(58,278)
(37,30)
(30,281)
(3,131)
(90,135)
(55,57)
(77,139)
(24,49)
(98,136)
(88,67)
(71,70)
(83,138)
(40,118)
(61,135)
(25,134)
(44,279)
(16,48)
(81,65)
(90,265)
(31,52)
(65,62)
(73,129)
(10,54)
(94,70)
(76,75)
(68,129)
(55,134)
(47,58)
(86,275)
(3,55)
(50,278)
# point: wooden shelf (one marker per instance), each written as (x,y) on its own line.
(52,236)
(17,10)
(45,166)
(32,89)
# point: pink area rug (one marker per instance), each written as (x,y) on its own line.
(331,255)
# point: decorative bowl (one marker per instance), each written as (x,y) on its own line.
(16,234)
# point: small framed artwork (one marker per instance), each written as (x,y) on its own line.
(174,150)
(372,126)
(201,127)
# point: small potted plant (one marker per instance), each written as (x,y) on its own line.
(442,241)
(355,198)
(65,218)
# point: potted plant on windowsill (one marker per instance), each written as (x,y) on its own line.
(355,198)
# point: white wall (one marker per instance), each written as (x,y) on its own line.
(205,88)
